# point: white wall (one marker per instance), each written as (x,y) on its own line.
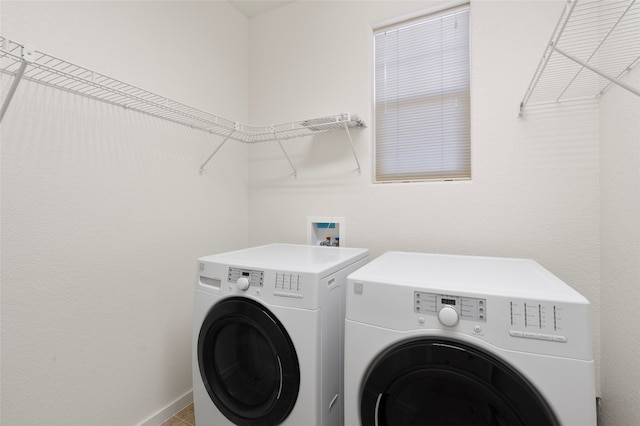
(620,250)
(534,191)
(104,212)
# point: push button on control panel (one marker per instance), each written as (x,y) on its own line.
(538,336)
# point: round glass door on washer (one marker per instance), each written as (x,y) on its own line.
(248,364)
(268,335)
(458,340)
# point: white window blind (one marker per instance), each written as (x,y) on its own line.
(421,99)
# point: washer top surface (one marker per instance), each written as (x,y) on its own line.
(291,257)
(468,274)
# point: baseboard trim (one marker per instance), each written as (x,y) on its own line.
(165,413)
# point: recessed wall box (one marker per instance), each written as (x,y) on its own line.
(326,231)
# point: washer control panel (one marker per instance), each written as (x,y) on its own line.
(252,278)
(450,309)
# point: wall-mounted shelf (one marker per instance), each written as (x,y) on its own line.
(25,63)
(594,44)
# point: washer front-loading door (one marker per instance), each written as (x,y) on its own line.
(439,382)
(248,363)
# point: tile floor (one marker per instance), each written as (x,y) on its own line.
(184,417)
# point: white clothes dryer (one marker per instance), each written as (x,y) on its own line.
(268,336)
(462,340)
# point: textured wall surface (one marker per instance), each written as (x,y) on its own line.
(104,212)
(534,190)
(620,194)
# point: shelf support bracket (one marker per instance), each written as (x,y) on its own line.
(215,152)
(353,150)
(557,33)
(600,73)
(295,172)
(626,70)
(27,58)
(602,41)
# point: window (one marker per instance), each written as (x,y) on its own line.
(421,99)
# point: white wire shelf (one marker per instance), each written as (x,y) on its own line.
(25,63)
(595,43)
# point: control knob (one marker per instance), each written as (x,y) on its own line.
(448,316)
(243,283)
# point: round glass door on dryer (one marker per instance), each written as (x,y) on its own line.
(433,381)
(248,363)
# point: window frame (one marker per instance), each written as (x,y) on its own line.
(426,175)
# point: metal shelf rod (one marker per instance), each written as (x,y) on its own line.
(557,32)
(295,172)
(626,70)
(353,150)
(27,58)
(25,63)
(12,90)
(605,38)
(600,73)
(597,35)
(214,153)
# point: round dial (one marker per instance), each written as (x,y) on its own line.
(448,316)
(243,283)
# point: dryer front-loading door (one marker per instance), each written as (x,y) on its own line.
(248,363)
(439,382)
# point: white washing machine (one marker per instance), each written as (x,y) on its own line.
(460,340)
(268,336)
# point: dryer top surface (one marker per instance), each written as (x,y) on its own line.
(469,274)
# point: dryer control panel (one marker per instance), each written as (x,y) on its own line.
(255,278)
(466,308)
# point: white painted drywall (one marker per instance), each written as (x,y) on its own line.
(620,251)
(534,191)
(103,210)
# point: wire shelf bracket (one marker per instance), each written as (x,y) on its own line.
(595,35)
(27,58)
(295,171)
(26,63)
